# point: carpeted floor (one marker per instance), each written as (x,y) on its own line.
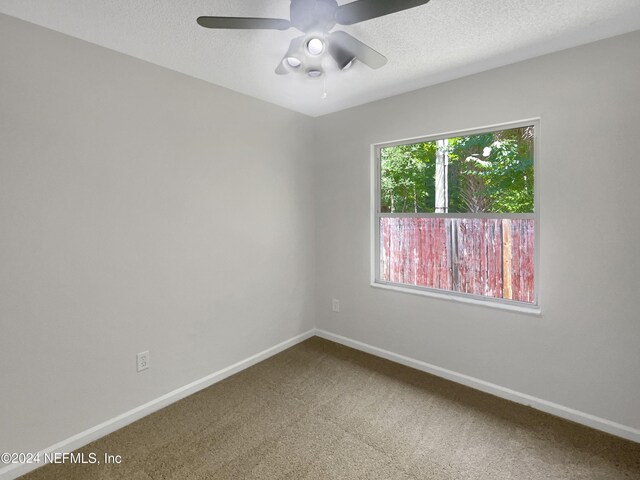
(324,411)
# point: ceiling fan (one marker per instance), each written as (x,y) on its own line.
(315,18)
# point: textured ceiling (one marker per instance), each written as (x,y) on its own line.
(442,40)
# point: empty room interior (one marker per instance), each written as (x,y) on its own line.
(319,239)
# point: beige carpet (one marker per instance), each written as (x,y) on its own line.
(324,411)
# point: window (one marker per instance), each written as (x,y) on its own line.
(456,214)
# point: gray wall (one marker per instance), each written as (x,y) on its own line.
(583,351)
(140,209)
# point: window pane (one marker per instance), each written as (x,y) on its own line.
(487,257)
(489,172)
(415,251)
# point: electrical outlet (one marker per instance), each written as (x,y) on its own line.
(143,360)
(335,305)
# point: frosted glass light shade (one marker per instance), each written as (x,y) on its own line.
(315,46)
(293,62)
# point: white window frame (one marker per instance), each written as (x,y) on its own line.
(376,215)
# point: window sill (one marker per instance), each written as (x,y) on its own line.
(534,310)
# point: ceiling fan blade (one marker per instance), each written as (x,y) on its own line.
(295,47)
(244,22)
(340,54)
(341,44)
(281,69)
(361,10)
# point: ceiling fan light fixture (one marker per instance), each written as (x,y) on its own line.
(314,73)
(293,62)
(315,46)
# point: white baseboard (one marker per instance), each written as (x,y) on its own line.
(13,471)
(577,416)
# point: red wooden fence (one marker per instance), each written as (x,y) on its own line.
(489,257)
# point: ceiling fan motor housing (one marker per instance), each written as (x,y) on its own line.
(313,15)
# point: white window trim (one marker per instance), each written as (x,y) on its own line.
(499,303)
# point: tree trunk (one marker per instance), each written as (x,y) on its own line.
(442,187)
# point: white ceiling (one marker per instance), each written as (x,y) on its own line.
(442,40)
